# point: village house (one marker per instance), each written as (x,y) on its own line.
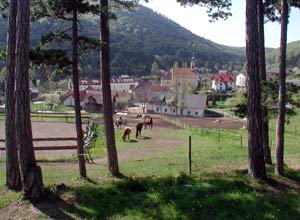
(273,73)
(240,81)
(223,82)
(68,98)
(90,100)
(86,84)
(122,84)
(182,78)
(194,105)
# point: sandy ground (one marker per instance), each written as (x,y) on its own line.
(63,129)
(48,130)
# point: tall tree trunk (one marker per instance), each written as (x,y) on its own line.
(263,78)
(255,146)
(282,99)
(112,155)
(13,178)
(31,174)
(80,151)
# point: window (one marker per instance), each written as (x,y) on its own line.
(189,112)
(166,110)
(196,113)
(173,111)
(157,109)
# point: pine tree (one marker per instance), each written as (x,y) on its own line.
(112,155)
(279,161)
(255,148)
(13,178)
(263,78)
(68,10)
(31,174)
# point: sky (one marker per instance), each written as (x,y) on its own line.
(229,32)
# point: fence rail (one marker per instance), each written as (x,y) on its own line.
(61,147)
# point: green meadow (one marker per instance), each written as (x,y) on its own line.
(156,184)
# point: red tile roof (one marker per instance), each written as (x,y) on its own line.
(94,92)
(224,77)
(185,73)
(70,93)
(158,88)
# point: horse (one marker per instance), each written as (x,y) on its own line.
(139,128)
(126,132)
(119,122)
(148,122)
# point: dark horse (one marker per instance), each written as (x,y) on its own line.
(119,122)
(148,122)
(139,128)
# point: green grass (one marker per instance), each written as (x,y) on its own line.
(42,106)
(182,197)
(157,186)
(6,196)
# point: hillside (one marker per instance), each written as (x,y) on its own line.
(141,37)
(292,54)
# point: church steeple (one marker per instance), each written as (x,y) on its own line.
(193,64)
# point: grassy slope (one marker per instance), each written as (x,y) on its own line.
(155,187)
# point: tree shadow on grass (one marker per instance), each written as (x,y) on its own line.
(276,184)
(133,141)
(54,207)
(181,197)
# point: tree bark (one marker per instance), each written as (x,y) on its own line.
(80,151)
(263,78)
(13,178)
(255,146)
(31,175)
(279,161)
(112,155)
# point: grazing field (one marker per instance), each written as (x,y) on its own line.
(155,181)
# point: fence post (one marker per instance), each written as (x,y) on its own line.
(190,155)
(241,141)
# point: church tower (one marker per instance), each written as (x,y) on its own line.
(193,64)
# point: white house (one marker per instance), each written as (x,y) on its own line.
(194,105)
(84,84)
(240,81)
(223,82)
(122,84)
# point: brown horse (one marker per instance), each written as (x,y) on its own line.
(148,122)
(126,132)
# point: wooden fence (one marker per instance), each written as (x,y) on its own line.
(60,147)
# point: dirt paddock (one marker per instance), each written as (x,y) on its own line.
(63,129)
(48,130)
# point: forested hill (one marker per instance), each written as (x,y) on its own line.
(292,54)
(141,37)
